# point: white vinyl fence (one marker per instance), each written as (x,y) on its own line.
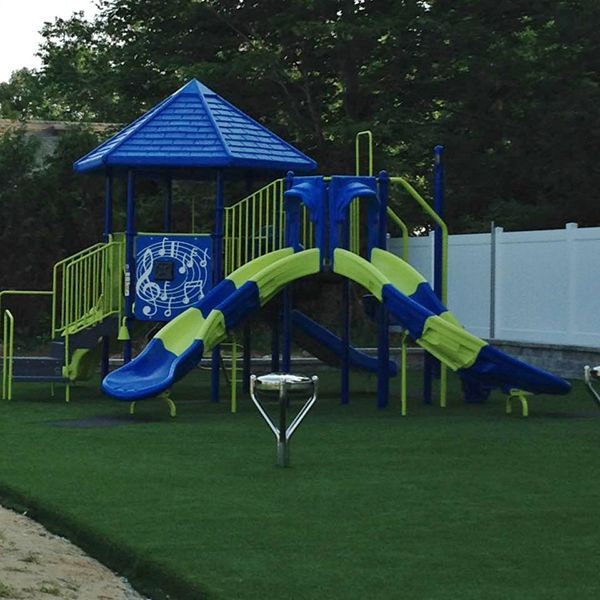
(524,286)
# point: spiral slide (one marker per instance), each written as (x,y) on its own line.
(408,297)
(179,346)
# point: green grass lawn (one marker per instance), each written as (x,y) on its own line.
(463,503)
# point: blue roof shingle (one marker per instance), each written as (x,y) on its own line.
(195,128)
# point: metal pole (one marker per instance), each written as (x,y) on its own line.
(247,335)
(217,274)
(345,383)
(383,345)
(108,226)
(438,206)
(247,356)
(283,452)
(492,280)
(168,203)
(129,260)
(286,318)
(431,364)
(345,372)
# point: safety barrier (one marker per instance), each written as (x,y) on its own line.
(255,226)
(87,288)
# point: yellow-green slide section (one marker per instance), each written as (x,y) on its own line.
(441,335)
(270,272)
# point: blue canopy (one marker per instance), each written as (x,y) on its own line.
(195,128)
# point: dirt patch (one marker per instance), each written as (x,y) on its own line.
(35,564)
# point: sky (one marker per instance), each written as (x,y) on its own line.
(19,26)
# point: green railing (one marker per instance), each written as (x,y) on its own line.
(355,206)
(8,342)
(87,288)
(7,354)
(439,221)
(255,226)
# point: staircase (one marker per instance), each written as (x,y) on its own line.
(87,305)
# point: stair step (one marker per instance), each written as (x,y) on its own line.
(37,366)
(88,338)
(39,379)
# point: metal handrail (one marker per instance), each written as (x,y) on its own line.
(90,288)
(392,215)
(8,322)
(256,225)
(355,204)
(439,221)
(23,293)
(369,135)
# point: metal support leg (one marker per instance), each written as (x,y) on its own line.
(283,383)
(591,375)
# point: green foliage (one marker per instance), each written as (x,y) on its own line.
(511,89)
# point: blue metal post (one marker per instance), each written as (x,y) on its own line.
(383,342)
(247,357)
(129,260)
(345,383)
(168,203)
(438,206)
(217,273)
(345,373)
(108,205)
(286,317)
(432,364)
(247,360)
(108,226)
(275,344)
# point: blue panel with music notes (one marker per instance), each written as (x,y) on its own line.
(173,272)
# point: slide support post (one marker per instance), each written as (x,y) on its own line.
(108,226)
(247,357)
(217,274)
(383,345)
(286,317)
(345,383)
(431,364)
(129,261)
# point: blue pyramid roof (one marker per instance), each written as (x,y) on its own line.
(195,128)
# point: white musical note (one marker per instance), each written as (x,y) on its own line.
(147,290)
(203,258)
(188,262)
(162,250)
(164,294)
(168,311)
(150,309)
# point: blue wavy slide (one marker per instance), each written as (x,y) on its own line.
(328,347)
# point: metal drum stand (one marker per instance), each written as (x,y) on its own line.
(283,383)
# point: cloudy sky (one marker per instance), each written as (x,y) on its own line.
(19,26)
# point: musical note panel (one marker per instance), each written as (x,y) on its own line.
(173,272)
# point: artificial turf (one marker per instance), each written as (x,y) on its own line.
(464,502)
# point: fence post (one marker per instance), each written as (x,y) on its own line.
(571,236)
(497,275)
(492,332)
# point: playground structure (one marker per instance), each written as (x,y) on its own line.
(203,286)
